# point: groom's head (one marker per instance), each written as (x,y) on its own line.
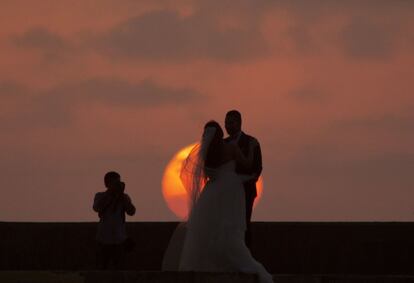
(233,122)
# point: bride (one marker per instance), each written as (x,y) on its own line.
(212,240)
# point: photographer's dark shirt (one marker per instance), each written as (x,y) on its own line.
(111,227)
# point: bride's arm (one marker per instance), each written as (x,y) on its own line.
(240,158)
(247,161)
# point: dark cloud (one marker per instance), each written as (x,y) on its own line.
(250,11)
(375,29)
(10,89)
(51,45)
(391,123)
(373,32)
(309,94)
(314,11)
(302,40)
(122,93)
(165,35)
(362,38)
(39,38)
(54,107)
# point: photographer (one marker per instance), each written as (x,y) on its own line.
(111,236)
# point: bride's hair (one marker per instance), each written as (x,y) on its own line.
(214,151)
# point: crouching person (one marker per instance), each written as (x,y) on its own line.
(111,206)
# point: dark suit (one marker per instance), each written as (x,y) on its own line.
(250,186)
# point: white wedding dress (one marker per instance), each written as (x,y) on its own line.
(214,236)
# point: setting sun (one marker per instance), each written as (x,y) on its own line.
(173,190)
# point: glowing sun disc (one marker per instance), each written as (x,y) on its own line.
(173,190)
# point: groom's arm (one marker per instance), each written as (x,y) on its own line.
(240,158)
(257,160)
(252,162)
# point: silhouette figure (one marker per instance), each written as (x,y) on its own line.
(111,206)
(215,230)
(246,143)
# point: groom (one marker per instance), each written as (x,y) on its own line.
(246,143)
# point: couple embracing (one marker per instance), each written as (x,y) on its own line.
(220,177)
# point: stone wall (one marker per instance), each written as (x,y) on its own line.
(183,277)
(283,247)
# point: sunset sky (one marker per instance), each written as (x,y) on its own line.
(89,86)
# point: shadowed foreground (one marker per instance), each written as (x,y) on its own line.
(121,277)
(343,252)
(182,277)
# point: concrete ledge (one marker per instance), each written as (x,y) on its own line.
(182,277)
(40,277)
(342,279)
(122,277)
(282,247)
